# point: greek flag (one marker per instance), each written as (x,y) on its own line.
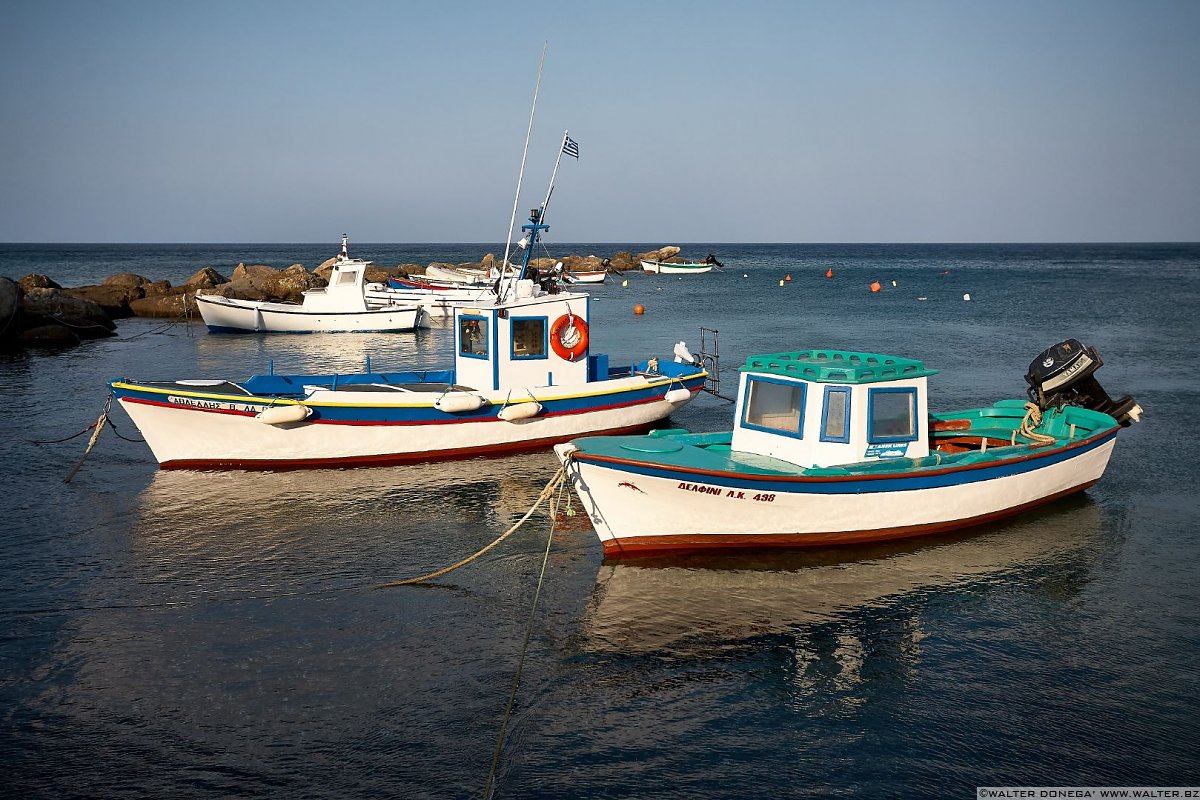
(570,147)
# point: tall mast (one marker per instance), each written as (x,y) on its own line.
(520,177)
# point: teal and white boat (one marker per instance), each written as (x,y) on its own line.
(832,447)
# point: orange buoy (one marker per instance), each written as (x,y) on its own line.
(875,286)
(829,272)
(639,309)
(788,278)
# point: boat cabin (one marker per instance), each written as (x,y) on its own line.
(344,292)
(821,408)
(532,338)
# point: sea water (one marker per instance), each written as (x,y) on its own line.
(219,634)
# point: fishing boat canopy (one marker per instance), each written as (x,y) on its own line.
(820,408)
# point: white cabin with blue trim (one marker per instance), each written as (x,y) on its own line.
(534,339)
(823,408)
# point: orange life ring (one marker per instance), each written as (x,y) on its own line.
(561,335)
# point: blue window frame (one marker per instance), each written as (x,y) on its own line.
(835,415)
(774,406)
(530,338)
(473,336)
(892,415)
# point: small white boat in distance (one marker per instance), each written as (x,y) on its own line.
(694,268)
(339,307)
(586,276)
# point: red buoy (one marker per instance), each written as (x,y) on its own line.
(875,286)
(829,272)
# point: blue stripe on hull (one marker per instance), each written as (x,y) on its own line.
(800,485)
(358,415)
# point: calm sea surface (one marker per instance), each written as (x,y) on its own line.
(195,634)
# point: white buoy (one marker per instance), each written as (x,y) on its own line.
(744,275)
(967,296)
(281,415)
(519,411)
(454,402)
(680,395)
(893,283)
(625,282)
(922,298)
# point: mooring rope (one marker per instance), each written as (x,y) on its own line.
(1033,418)
(99,426)
(547,492)
(559,478)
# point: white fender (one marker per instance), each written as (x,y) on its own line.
(280,415)
(680,395)
(519,411)
(454,402)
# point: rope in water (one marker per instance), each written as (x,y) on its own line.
(490,784)
(547,492)
(99,426)
(555,482)
(1033,418)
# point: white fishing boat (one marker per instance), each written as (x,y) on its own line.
(339,307)
(438,299)
(459,275)
(691,268)
(523,378)
(832,447)
(586,276)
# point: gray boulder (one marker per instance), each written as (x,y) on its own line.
(54,306)
(10,308)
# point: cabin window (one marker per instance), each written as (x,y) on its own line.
(893,415)
(835,417)
(473,336)
(528,337)
(776,406)
(345,278)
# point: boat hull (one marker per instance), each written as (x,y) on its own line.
(240,316)
(658,267)
(638,507)
(204,430)
(588,276)
(437,302)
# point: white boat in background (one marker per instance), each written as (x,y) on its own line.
(436,298)
(339,307)
(693,268)
(459,275)
(586,276)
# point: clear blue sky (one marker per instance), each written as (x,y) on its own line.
(953,121)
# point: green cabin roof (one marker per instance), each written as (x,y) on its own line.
(837,366)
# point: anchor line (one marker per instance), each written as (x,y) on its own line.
(560,479)
(99,426)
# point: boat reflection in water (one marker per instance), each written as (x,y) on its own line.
(238,530)
(335,352)
(838,608)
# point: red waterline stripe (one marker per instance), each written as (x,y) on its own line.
(633,546)
(391,459)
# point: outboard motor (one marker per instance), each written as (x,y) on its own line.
(1064,375)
